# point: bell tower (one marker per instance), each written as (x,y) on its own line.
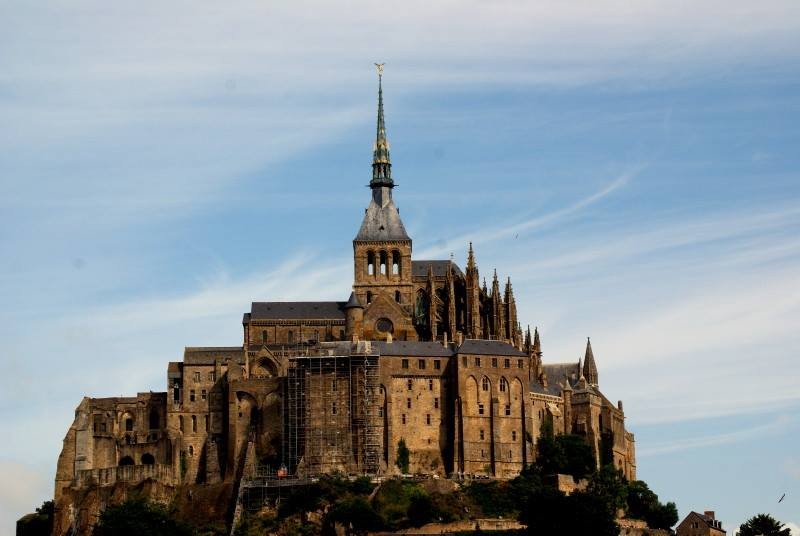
(382,250)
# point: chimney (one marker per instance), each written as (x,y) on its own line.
(445,340)
(709,513)
(459,338)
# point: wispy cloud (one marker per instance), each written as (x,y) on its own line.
(513,228)
(692,443)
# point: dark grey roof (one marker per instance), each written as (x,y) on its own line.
(207,355)
(552,389)
(382,222)
(411,348)
(485,347)
(420,268)
(297,310)
(353,302)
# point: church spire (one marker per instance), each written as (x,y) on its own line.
(381,163)
(589,366)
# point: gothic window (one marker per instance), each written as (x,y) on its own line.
(370,263)
(180,423)
(129,424)
(397,296)
(396,263)
(194,423)
(176,392)
(369,297)
(154,419)
(206,423)
(485,383)
(384,325)
(421,308)
(191,451)
(503,385)
(383,263)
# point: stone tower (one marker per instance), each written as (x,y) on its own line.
(382,250)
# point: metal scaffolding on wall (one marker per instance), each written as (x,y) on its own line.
(332,420)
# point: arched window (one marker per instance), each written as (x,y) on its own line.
(155,420)
(503,384)
(126,460)
(148,459)
(206,423)
(485,383)
(180,423)
(369,297)
(370,263)
(194,423)
(396,263)
(290,336)
(383,263)
(129,424)
(191,450)
(397,296)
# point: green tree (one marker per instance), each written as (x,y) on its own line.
(39,523)
(644,504)
(763,524)
(137,516)
(354,514)
(420,509)
(403,456)
(578,456)
(609,484)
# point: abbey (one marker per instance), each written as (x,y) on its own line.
(423,358)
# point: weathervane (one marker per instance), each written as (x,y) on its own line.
(379,67)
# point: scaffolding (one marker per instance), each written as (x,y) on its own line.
(332,423)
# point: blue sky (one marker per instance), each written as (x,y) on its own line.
(634,169)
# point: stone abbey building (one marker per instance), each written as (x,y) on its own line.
(421,352)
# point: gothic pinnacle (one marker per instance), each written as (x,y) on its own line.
(381,163)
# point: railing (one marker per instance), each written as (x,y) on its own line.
(123,473)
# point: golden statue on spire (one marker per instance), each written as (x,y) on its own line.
(379,67)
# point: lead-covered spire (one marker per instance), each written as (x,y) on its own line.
(381,162)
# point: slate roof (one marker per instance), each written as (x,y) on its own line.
(382,222)
(411,349)
(419,269)
(297,310)
(483,347)
(207,355)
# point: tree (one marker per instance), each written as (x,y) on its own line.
(39,523)
(763,524)
(403,456)
(356,516)
(644,504)
(137,516)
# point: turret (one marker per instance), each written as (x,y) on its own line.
(354,318)
(589,366)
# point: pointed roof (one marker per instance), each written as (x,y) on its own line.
(589,366)
(381,162)
(470,258)
(353,302)
(537,344)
